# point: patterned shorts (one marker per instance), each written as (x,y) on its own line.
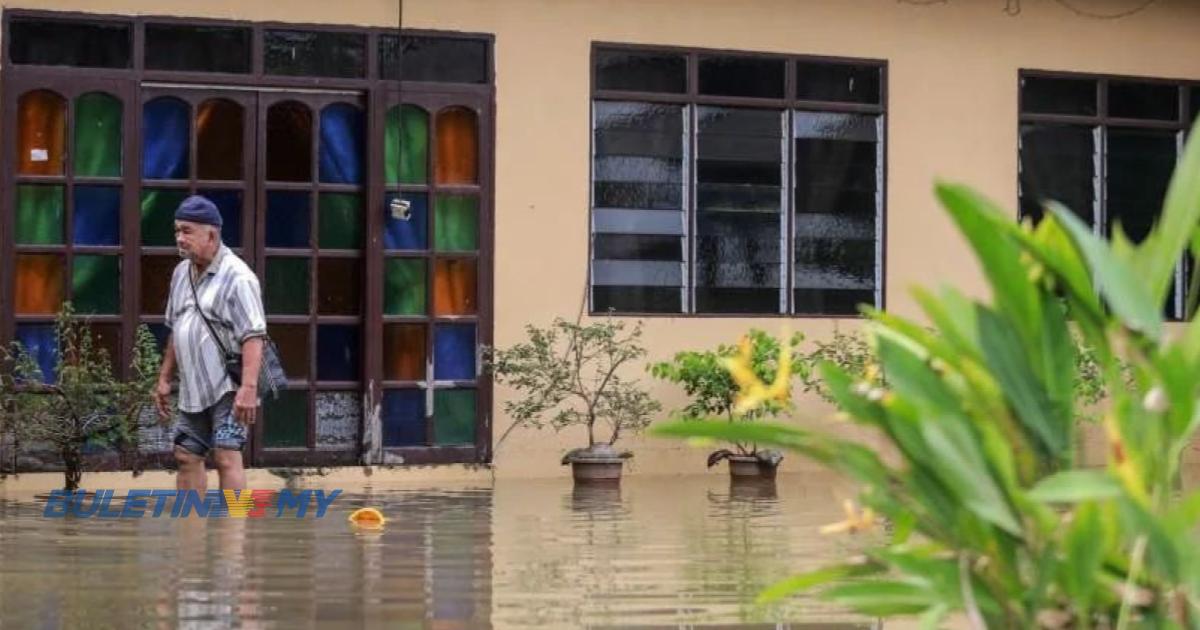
(199,432)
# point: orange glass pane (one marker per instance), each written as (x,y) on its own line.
(39,284)
(41,133)
(219,140)
(404,352)
(454,287)
(457,147)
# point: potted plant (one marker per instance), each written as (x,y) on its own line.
(714,391)
(569,374)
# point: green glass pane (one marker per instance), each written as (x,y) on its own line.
(286,419)
(405,154)
(404,286)
(39,215)
(95,284)
(341,221)
(97,135)
(287,286)
(158,216)
(456,223)
(454,416)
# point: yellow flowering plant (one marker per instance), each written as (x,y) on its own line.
(994,518)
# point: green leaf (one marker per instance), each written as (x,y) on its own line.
(933,617)
(1013,370)
(998,253)
(1125,293)
(1076,486)
(883,597)
(1158,254)
(961,463)
(805,581)
(1085,546)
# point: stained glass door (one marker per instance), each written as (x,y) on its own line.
(312,237)
(67,151)
(435,279)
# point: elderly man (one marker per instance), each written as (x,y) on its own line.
(214,414)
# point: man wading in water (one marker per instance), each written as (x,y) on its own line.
(214,413)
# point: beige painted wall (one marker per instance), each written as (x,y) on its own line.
(952,114)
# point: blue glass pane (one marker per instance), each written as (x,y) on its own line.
(289,220)
(403,417)
(341,144)
(38,340)
(97,215)
(337,352)
(229,202)
(160,332)
(454,352)
(165,133)
(410,234)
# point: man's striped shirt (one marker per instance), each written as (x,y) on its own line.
(230,296)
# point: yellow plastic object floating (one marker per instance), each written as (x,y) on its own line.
(367,517)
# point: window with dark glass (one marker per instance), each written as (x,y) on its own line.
(192,48)
(436,59)
(1108,160)
(315,53)
(709,207)
(88,44)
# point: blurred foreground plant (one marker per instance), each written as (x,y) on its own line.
(993,516)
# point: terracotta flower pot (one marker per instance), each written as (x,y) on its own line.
(600,464)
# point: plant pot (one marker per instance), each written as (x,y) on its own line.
(750,467)
(597,470)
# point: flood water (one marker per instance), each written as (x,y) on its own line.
(657,552)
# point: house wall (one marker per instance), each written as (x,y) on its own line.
(952,115)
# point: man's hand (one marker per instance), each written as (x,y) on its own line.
(245,404)
(162,400)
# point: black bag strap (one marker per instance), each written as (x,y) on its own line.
(196,297)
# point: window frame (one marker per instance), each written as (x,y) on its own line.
(373,90)
(1103,122)
(787,105)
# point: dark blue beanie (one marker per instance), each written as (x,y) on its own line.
(198,209)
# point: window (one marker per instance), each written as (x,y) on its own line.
(1105,148)
(185,47)
(54,42)
(736,191)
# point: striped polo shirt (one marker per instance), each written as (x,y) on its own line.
(230,296)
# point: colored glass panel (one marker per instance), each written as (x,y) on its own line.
(454,283)
(40,212)
(342,144)
(287,289)
(457,147)
(411,233)
(41,133)
(286,419)
(456,221)
(454,416)
(406,145)
(95,284)
(97,217)
(40,279)
(165,133)
(341,221)
(339,286)
(38,341)
(404,352)
(292,341)
(229,203)
(155,284)
(289,142)
(403,412)
(454,352)
(107,338)
(289,220)
(158,216)
(404,286)
(97,135)
(338,348)
(219,139)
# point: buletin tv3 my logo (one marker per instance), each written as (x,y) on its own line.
(189,503)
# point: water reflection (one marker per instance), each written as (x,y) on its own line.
(653,552)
